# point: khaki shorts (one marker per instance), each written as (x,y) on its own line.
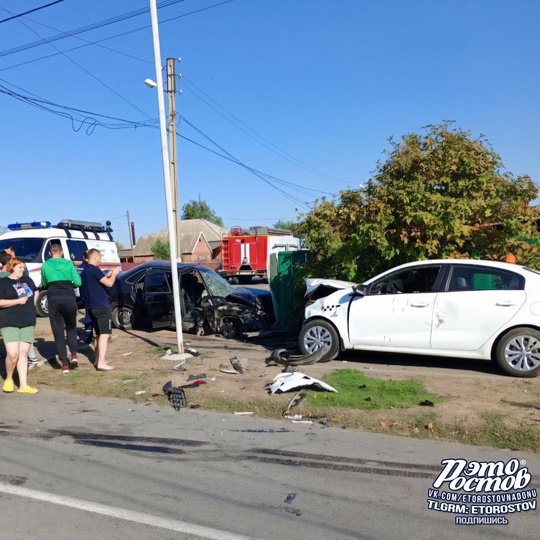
(13,334)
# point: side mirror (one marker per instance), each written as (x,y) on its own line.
(359,289)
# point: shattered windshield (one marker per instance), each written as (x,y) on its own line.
(26,249)
(216,285)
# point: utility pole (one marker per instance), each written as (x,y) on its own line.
(166,177)
(171,91)
(130,236)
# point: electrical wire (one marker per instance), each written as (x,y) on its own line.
(83,68)
(77,116)
(99,41)
(87,28)
(243,165)
(30,11)
(271,146)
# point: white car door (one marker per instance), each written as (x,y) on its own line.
(479,300)
(397,310)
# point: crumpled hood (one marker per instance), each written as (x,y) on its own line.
(319,288)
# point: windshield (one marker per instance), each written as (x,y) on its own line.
(216,285)
(26,249)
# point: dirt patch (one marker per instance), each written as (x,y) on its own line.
(476,403)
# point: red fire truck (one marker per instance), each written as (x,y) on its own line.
(246,252)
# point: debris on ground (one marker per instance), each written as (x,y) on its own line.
(290,369)
(195,377)
(290,498)
(128,381)
(427,403)
(180,367)
(284,382)
(237,365)
(127,353)
(194,384)
(294,402)
(140,392)
(192,351)
(176,395)
(243,413)
(224,368)
(285,358)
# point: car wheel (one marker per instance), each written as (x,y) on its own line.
(231,328)
(122,317)
(518,352)
(316,334)
(42,304)
(244,280)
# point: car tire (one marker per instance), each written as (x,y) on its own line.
(316,334)
(230,328)
(122,317)
(244,280)
(42,304)
(518,352)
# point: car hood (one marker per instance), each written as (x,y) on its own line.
(251,297)
(319,288)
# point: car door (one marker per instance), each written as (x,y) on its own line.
(476,303)
(397,309)
(157,298)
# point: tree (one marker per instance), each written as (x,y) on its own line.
(288,225)
(442,194)
(161,251)
(119,246)
(200,210)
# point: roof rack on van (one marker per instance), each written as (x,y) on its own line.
(85,227)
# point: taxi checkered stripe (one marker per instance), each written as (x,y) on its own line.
(330,308)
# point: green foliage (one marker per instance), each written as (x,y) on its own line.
(438,195)
(356,391)
(200,210)
(119,246)
(288,225)
(160,250)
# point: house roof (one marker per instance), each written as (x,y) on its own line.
(189,230)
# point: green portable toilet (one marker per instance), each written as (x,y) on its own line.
(284,273)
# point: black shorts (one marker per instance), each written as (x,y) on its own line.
(101,320)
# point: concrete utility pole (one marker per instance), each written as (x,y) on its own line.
(166,176)
(171,91)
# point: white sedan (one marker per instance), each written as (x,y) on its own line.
(453,307)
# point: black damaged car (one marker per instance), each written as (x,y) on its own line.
(142,297)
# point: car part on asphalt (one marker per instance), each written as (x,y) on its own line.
(285,358)
(286,381)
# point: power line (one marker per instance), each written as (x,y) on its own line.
(276,150)
(84,69)
(30,11)
(87,28)
(121,123)
(285,194)
(99,41)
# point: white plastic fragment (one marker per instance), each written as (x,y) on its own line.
(127,353)
(297,380)
(140,392)
(243,413)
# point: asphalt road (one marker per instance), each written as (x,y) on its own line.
(90,469)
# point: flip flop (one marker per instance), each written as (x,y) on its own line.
(107,368)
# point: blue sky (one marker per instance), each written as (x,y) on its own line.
(326,81)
